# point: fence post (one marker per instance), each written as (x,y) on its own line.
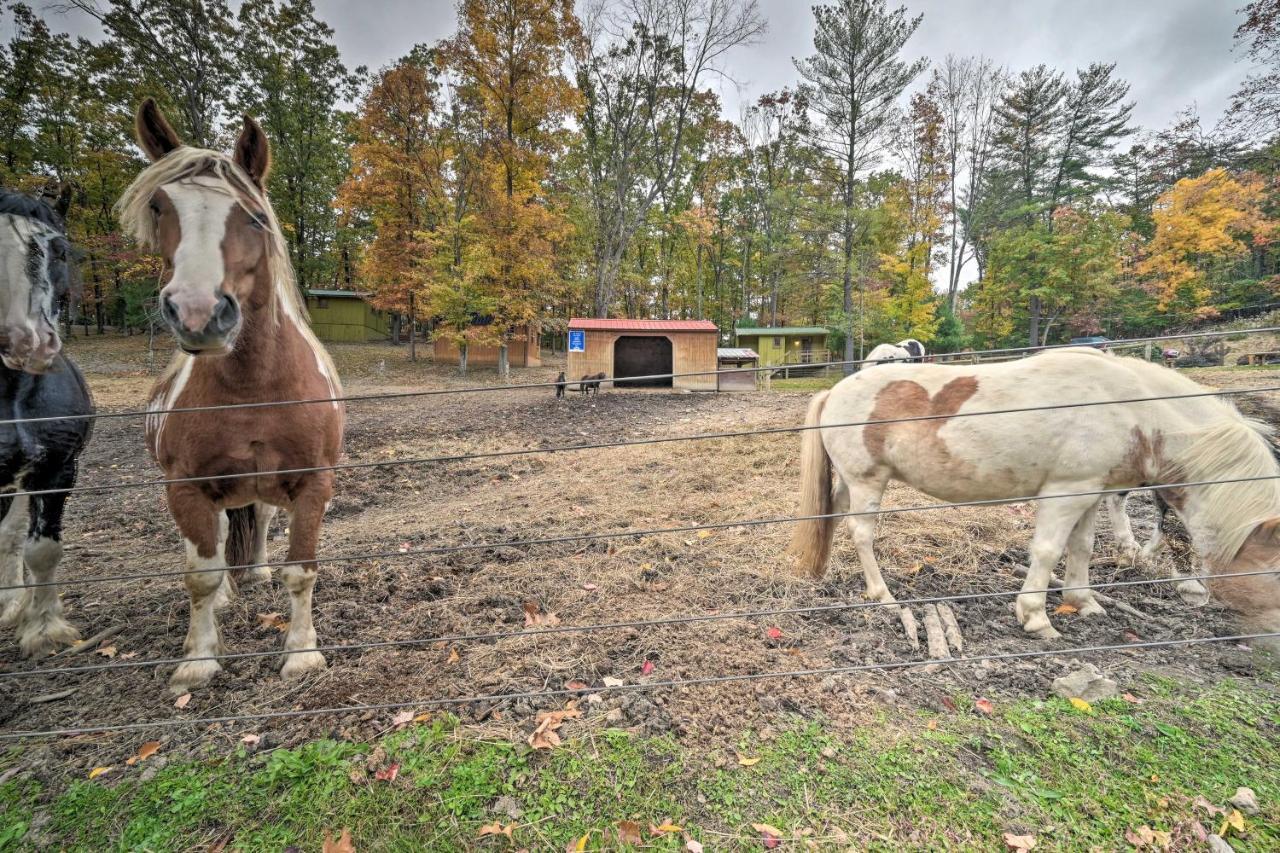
(1147,352)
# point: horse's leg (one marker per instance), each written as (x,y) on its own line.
(13,532)
(41,627)
(1121,528)
(204,532)
(299,576)
(863,496)
(1076,576)
(1055,520)
(264,514)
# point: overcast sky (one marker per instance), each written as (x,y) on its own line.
(1174,53)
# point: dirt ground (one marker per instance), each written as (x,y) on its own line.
(487,590)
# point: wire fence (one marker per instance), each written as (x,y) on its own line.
(668,684)
(602,535)
(485,389)
(666,621)
(635,442)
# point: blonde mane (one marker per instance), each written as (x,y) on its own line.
(184,163)
(1231,449)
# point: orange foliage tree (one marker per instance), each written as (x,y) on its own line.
(1201,223)
(507,57)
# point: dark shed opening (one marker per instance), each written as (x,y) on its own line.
(642,356)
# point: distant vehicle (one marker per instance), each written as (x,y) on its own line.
(1096,341)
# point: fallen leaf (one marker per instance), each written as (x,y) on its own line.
(453,655)
(705,534)
(647,667)
(579,845)
(984,706)
(495,828)
(145,751)
(693,846)
(932,725)
(665,826)
(771,836)
(629,832)
(1064,608)
(250,740)
(1131,637)
(610,681)
(1131,699)
(181,701)
(98,771)
(423,717)
(128,656)
(590,587)
(774,633)
(1208,806)
(273,620)
(402,719)
(1081,705)
(748,762)
(388,773)
(1145,836)
(1234,820)
(535,618)
(949,704)
(342,844)
(1019,843)
(107,651)
(544,736)
(576,685)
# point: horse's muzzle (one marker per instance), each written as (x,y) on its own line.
(218,334)
(30,349)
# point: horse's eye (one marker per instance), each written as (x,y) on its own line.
(258,220)
(155,208)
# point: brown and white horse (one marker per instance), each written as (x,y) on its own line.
(1235,526)
(230,299)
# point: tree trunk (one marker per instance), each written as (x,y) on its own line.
(504,359)
(396,319)
(1033,327)
(462,359)
(413,330)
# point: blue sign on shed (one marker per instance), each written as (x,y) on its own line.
(577,340)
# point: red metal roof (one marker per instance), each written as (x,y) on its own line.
(606,325)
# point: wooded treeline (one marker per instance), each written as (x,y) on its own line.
(545,161)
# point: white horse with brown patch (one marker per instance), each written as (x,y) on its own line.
(1235,526)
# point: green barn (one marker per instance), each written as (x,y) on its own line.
(347,316)
(785,344)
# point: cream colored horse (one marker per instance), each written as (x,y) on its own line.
(1235,527)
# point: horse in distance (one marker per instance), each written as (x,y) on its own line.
(229,297)
(36,381)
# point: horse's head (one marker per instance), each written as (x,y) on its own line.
(208,217)
(35,277)
(914,348)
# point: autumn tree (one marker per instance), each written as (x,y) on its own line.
(1203,223)
(508,57)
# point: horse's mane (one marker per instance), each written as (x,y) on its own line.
(20,204)
(134,210)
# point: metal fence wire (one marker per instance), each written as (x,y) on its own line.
(600,535)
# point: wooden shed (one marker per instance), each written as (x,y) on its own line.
(523,349)
(622,348)
(346,315)
(785,344)
(742,379)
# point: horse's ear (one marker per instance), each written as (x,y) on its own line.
(253,153)
(155,135)
(63,203)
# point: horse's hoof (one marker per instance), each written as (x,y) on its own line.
(1090,608)
(299,664)
(254,576)
(192,675)
(10,611)
(1193,593)
(1037,625)
(39,638)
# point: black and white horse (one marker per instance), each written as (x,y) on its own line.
(36,381)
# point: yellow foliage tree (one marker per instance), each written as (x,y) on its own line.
(1200,222)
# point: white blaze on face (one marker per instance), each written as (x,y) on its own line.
(202,206)
(26,249)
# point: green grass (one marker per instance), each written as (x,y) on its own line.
(805,383)
(1074,780)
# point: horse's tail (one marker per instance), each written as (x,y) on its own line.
(811,541)
(242,528)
